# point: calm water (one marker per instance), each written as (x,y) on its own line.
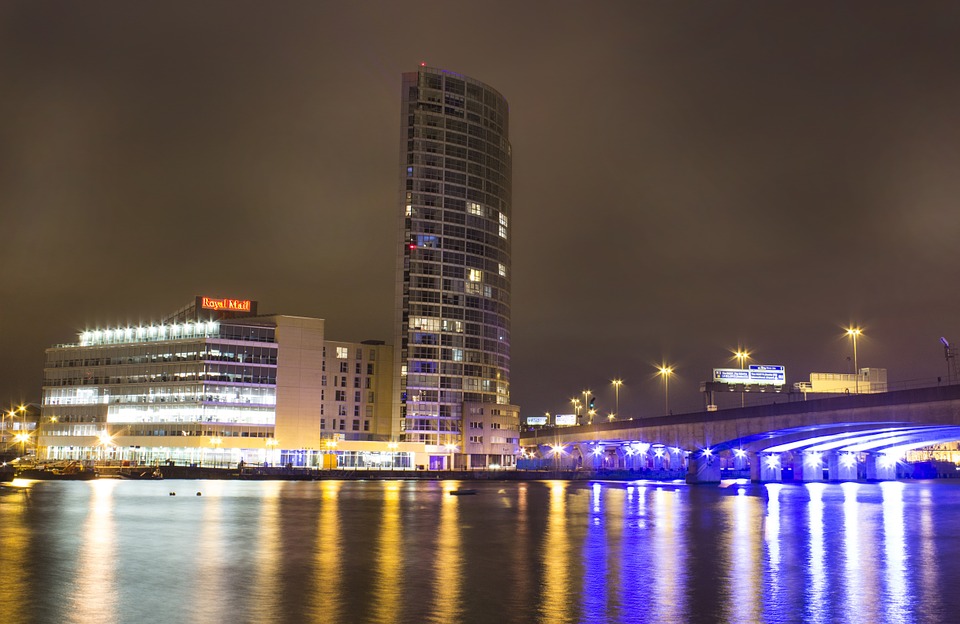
(126,551)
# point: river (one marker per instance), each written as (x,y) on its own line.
(539,551)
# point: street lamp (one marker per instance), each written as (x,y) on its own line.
(616,388)
(271,444)
(557,450)
(105,440)
(741,355)
(854,332)
(393,454)
(22,438)
(450,449)
(215,441)
(665,372)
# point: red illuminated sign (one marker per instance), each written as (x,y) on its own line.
(231,305)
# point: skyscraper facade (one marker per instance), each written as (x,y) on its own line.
(452,344)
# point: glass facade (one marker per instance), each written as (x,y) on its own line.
(181,380)
(453,270)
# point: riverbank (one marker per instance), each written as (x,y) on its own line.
(259,473)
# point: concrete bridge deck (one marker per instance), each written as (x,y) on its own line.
(838,438)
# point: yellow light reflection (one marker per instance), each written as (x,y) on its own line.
(521,578)
(448,583)
(389,563)
(326,596)
(14,540)
(94,598)
(265,590)
(556,597)
(209,587)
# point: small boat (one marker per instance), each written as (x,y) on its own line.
(462,492)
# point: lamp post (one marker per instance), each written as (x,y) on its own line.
(854,332)
(741,355)
(215,441)
(586,402)
(450,449)
(393,454)
(665,372)
(616,389)
(271,445)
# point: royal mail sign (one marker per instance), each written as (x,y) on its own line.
(227,305)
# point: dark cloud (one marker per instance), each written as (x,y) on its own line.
(687,177)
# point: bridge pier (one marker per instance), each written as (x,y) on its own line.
(842,468)
(703,469)
(880,468)
(676,458)
(809,468)
(768,468)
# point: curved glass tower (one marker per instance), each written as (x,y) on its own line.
(452,343)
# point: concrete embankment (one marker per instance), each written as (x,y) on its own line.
(311,474)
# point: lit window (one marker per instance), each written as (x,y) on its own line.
(503,271)
(503,231)
(475,275)
(475,209)
(343,353)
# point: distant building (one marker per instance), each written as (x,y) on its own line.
(453,267)
(870,380)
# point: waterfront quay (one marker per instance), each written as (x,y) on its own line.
(292,473)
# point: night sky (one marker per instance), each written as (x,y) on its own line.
(687,177)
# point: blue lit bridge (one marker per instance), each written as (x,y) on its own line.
(837,439)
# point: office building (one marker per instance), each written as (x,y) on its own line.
(216,383)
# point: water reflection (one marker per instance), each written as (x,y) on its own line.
(327,591)
(95,595)
(743,554)
(816,582)
(14,538)
(389,557)
(555,552)
(929,600)
(771,537)
(668,599)
(853,577)
(113,551)
(208,583)
(894,552)
(447,605)
(595,558)
(265,590)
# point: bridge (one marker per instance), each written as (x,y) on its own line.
(843,438)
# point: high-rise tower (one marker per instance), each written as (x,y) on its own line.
(452,345)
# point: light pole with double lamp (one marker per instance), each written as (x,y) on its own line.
(665,372)
(854,333)
(616,389)
(741,355)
